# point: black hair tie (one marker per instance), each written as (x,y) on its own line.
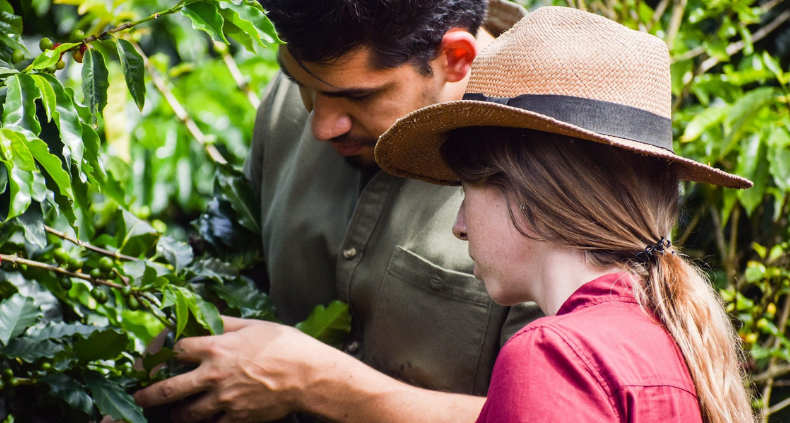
(651,252)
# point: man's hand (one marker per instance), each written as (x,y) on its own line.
(255,371)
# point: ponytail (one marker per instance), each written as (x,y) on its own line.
(682,298)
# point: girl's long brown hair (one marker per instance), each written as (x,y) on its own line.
(612,204)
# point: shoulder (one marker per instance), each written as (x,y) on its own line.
(618,343)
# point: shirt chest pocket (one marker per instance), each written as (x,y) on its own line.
(431,325)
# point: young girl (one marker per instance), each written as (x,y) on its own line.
(563,145)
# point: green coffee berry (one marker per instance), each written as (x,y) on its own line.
(17,56)
(126,290)
(96,273)
(133,303)
(8,373)
(61,255)
(77,36)
(60,65)
(106,264)
(65,283)
(99,295)
(75,263)
(45,44)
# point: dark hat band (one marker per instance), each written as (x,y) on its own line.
(598,116)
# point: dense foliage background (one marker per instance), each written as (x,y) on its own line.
(134,153)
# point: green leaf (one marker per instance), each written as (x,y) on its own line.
(753,164)
(152,360)
(208,316)
(17,313)
(112,400)
(95,81)
(779,158)
(243,296)
(59,330)
(105,344)
(755,271)
(40,152)
(32,222)
(206,18)
(179,254)
(10,23)
(69,390)
(133,71)
(235,189)
(249,19)
(21,183)
(20,104)
(91,140)
(50,57)
(135,236)
(48,98)
(30,350)
(182,312)
(328,324)
(704,120)
(67,120)
(241,36)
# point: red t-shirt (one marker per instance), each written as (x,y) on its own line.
(600,359)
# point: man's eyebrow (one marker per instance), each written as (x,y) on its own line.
(342,92)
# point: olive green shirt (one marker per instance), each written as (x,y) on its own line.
(380,243)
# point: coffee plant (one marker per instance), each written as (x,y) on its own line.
(86,281)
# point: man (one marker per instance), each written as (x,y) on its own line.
(425,334)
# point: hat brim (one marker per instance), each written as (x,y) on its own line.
(410,148)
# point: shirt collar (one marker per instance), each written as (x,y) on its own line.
(614,287)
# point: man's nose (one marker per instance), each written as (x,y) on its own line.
(329,120)
(459,227)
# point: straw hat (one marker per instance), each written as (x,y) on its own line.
(558,70)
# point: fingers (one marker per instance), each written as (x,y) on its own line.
(201,409)
(170,390)
(195,349)
(232,324)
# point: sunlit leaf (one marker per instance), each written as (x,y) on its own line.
(20,104)
(205,17)
(330,324)
(95,81)
(133,71)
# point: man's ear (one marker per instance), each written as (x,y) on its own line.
(458,49)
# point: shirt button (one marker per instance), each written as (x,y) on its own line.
(352,347)
(350,253)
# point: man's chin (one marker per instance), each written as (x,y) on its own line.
(361,163)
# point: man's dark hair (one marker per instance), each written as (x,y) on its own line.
(395,31)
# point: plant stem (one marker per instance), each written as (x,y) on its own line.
(739,45)
(660,9)
(128,25)
(171,326)
(87,246)
(37,264)
(674,24)
(771,371)
(179,110)
(241,82)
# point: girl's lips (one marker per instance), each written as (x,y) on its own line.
(347,149)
